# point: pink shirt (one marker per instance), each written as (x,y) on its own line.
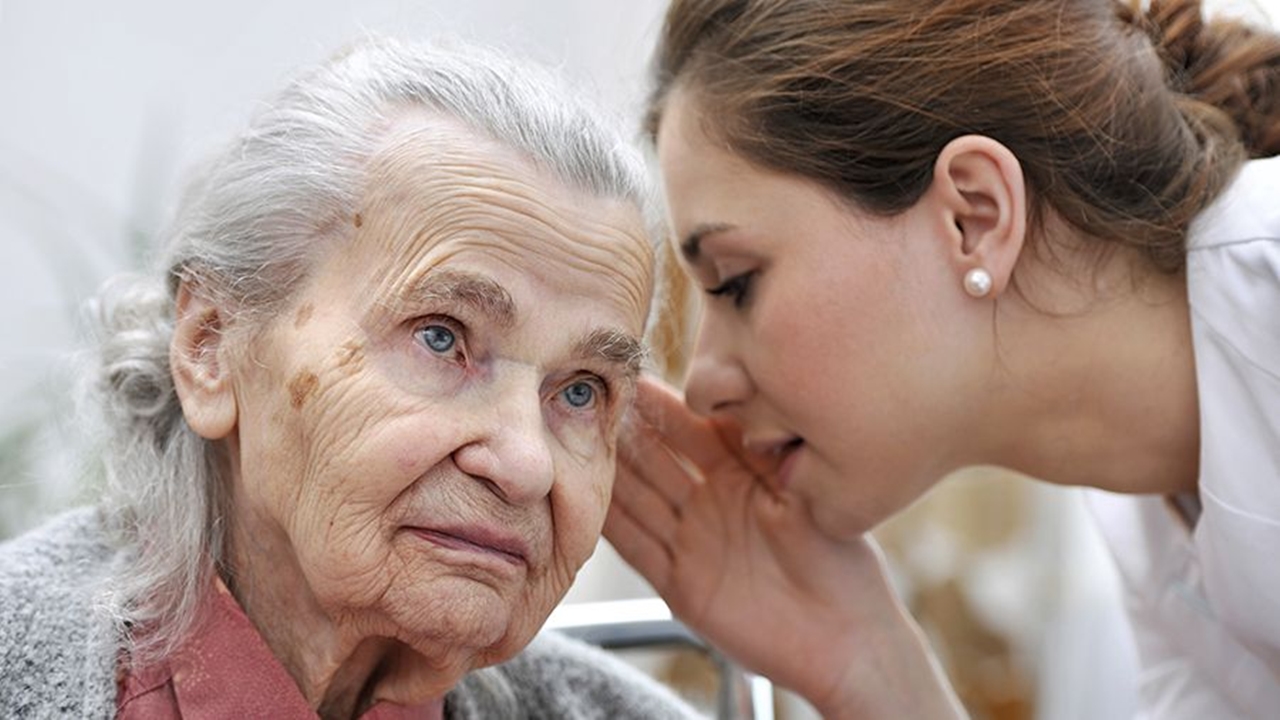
(226,670)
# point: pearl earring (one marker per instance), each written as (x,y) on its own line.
(977,282)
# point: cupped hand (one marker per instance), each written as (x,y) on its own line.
(744,566)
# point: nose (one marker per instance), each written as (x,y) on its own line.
(717,381)
(512,453)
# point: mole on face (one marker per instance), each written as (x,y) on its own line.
(358,220)
(304,315)
(302,387)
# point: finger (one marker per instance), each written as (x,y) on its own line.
(730,433)
(663,407)
(642,551)
(645,504)
(645,454)
(662,410)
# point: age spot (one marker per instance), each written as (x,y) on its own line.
(304,315)
(302,387)
(358,220)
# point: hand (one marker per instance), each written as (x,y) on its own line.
(745,567)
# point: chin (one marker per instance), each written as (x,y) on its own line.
(452,613)
(838,524)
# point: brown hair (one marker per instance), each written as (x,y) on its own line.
(1127,123)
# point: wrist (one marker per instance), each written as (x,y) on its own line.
(892,672)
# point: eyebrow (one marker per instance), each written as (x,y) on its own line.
(476,291)
(691,246)
(490,299)
(614,347)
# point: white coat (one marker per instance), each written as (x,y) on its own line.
(1204,596)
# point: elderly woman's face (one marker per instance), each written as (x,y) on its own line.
(429,431)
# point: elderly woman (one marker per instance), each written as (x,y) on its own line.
(362,424)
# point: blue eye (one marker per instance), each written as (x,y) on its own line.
(580,394)
(438,338)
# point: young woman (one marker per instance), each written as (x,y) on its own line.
(934,234)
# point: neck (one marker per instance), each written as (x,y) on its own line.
(339,672)
(1098,387)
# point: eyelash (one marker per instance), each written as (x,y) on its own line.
(736,288)
(457,353)
(601,386)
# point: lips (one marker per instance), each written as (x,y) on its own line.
(488,541)
(775,447)
(788,454)
(781,451)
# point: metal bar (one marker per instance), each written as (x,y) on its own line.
(646,623)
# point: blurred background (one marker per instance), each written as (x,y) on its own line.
(105,106)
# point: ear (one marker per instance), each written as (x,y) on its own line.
(980,185)
(200,367)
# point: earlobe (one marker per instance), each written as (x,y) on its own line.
(981,186)
(198,361)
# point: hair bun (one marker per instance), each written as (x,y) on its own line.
(1223,63)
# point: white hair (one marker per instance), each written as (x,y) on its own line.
(250,227)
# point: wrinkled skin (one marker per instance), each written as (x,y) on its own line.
(423,444)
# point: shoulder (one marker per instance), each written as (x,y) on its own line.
(69,536)
(1246,211)
(1233,269)
(54,627)
(55,560)
(563,678)
(1233,285)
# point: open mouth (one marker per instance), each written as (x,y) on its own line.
(772,448)
(787,454)
(778,452)
(790,446)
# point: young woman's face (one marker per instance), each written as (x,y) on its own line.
(836,338)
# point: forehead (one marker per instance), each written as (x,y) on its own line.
(696,164)
(438,191)
(687,125)
(708,184)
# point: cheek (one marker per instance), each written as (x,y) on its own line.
(578,505)
(813,329)
(360,447)
(584,439)
(371,424)
(586,461)
(829,343)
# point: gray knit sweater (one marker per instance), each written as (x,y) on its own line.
(58,646)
